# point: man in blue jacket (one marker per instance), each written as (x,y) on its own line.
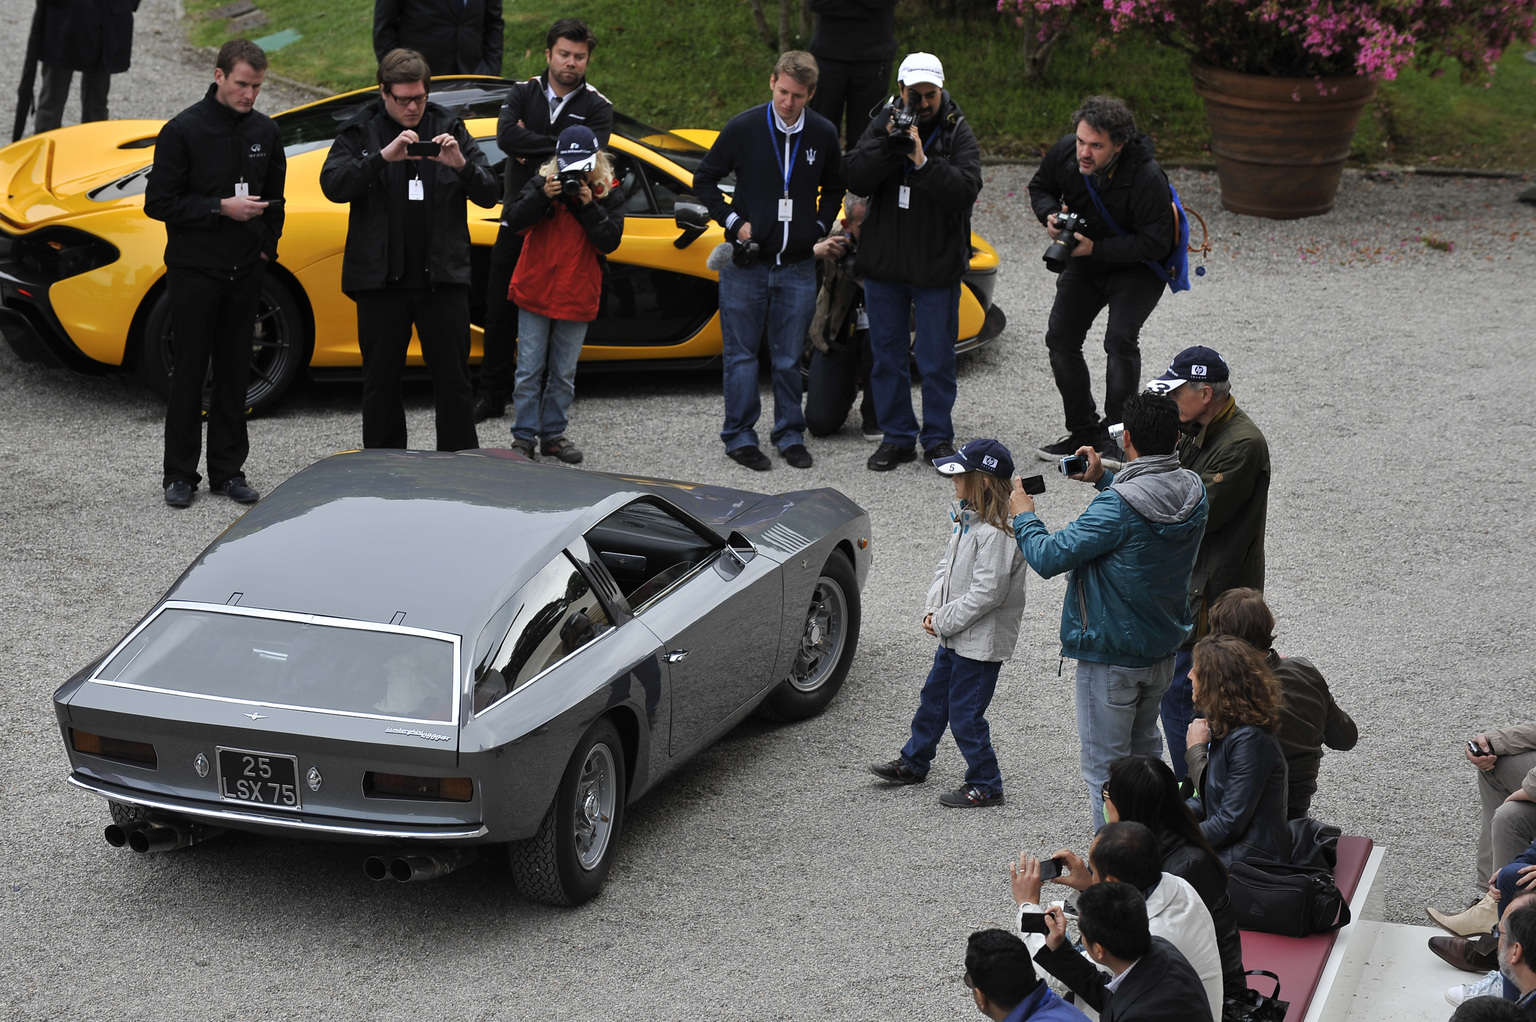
(1127,608)
(1003,983)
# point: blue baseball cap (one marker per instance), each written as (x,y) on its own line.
(576,148)
(987,456)
(1192,365)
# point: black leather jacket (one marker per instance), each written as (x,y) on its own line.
(1134,191)
(1242,806)
(1209,879)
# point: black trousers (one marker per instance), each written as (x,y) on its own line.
(213,317)
(854,85)
(498,367)
(441,317)
(835,377)
(1081,293)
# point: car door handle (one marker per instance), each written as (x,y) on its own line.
(674,655)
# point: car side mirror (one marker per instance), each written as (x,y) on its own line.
(738,551)
(692,219)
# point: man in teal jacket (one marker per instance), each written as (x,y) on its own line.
(1127,607)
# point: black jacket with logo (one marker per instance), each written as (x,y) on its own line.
(354,172)
(456,37)
(1134,190)
(927,244)
(528,146)
(201,154)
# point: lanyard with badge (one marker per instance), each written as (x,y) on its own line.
(904,192)
(786,204)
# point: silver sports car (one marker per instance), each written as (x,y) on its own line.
(436,652)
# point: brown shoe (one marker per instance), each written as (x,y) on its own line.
(1477,956)
(1481,917)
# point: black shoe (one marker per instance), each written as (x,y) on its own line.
(526,448)
(1110,454)
(942,449)
(896,772)
(888,456)
(872,431)
(797,456)
(751,457)
(178,494)
(1067,445)
(563,449)
(237,490)
(968,797)
(489,406)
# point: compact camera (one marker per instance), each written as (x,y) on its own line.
(902,118)
(1061,249)
(571,181)
(1073,465)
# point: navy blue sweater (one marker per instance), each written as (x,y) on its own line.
(754,147)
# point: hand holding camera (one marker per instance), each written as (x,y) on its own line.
(399,149)
(902,132)
(1067,226)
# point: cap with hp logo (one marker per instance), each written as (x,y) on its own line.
(1199,363)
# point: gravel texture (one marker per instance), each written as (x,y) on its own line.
(773,877)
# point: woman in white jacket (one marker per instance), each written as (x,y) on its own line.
(973,609)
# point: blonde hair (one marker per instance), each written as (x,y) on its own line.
(800,66)
(989,496)
(603,169)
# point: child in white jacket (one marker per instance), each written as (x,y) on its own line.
(973,609)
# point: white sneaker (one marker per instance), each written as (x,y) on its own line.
(1491,984)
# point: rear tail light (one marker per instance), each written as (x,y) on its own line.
(141,753)
(437,789)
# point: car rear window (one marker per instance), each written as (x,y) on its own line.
(290,662)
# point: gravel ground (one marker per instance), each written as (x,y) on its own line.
(772,877)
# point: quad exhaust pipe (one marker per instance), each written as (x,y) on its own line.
(161,834)
(413,866)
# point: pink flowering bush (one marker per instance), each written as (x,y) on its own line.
(1306,38)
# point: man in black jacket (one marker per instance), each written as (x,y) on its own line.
(454,37)
(1149,980)
(93,37)
(407,256)
(853,43)
(1108,267)
(921,183)
(217,183)
(535,113)
(789,183)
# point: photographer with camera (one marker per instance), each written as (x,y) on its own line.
(407,166)
(921,167)
(572,217)
(1126,609)
(838,358)
(789,184)
(1108,209)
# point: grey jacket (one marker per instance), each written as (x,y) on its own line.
(977,596)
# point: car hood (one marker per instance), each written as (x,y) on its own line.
(49,177)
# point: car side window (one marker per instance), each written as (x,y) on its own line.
(648,548)
(637,198)
(667,191)
(557,613)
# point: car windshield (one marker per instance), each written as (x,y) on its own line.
(290,662)
(467,98)
(676,148)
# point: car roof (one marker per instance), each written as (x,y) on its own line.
(445,538)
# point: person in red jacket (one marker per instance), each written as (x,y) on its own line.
(571,215)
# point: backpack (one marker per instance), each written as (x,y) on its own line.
(1174,271)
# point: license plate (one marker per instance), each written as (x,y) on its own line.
(260,778)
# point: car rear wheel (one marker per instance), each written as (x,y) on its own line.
(279,347)
(567,860)
(827,642)
(124,814)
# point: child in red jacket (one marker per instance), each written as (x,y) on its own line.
(570,215)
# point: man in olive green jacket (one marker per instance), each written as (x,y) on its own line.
(1224,447)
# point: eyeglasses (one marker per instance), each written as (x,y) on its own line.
(416,100)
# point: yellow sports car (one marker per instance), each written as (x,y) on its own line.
(81,271)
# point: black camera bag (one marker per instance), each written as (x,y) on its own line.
(1293,901)
(1251,1006)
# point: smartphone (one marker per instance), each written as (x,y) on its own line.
(423,148)
(1475,750)
(1033,484)
(1074,465)
(1032,922)
(1050,869)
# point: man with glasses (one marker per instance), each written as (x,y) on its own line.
(407,255)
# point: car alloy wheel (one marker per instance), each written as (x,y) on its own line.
(594,807)
(827,643)
(822,640)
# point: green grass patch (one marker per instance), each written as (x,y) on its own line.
(694,63)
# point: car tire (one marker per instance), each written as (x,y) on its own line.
(567,859)
(124,814)
(827,642)
(279,350)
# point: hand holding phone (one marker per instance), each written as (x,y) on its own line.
(423,148)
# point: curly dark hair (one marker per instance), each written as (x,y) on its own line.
(1236,685)
(1109,115)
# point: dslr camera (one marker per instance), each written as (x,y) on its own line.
(744,253)
(1061,249)
(571,182)
(851,253)
(902,118)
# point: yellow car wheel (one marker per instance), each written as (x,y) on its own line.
(280,347)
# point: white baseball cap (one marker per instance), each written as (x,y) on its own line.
(921,67)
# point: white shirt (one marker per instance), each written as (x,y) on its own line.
(788,129)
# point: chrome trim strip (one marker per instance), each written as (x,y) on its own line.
(235,819)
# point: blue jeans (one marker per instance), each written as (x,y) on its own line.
(1116,716)
(1178,710)
(540,404)
(957,693)
(784,299)
(892,308)
(1508,891)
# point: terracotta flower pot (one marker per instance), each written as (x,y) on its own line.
(1280,143)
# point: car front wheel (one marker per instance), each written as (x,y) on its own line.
(828,638)
(567,860)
